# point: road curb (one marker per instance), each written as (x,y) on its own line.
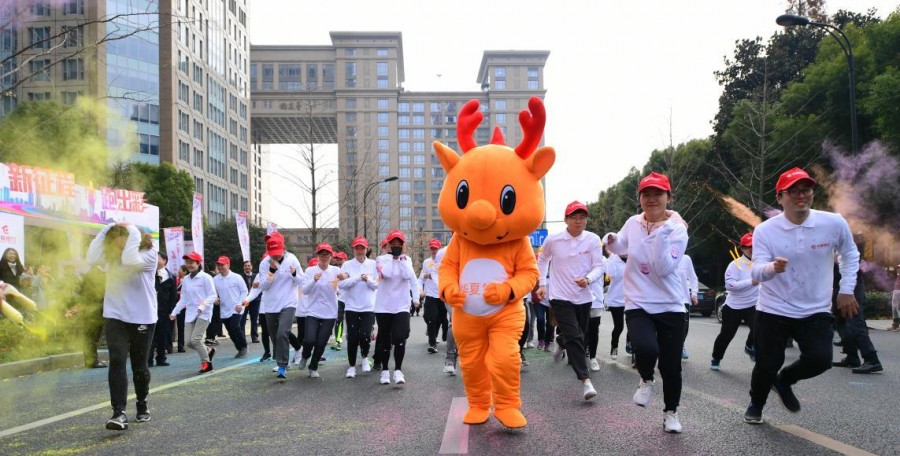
(47,363)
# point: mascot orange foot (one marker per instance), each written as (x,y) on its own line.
(492,199)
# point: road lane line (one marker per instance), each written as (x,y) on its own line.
(456,433)
(82,411)
(792,429)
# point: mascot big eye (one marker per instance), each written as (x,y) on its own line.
(492,199)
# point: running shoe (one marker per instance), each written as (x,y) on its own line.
(644,393)
(385,377)
(351,372)
(399,378)
(671,423)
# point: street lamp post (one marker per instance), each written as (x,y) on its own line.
(366,201)
(790,20)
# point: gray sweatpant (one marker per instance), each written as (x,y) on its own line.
(279,325)
(195,332)
(451,342)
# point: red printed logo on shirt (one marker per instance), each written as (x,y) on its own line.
(645,268)
(820,246)
(674,252)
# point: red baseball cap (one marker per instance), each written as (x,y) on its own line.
(340,255)
(224,260)
(193,256)
(275,244)
(313,262)
(655,180)
(791,177)
(396,234)
(747,240)
(576,206)
(360,241)
(324,247)
(434,244)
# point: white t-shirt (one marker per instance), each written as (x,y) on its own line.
(397,280)
(573,258)
(615,269)
(198,294)
(742,294)
(359,296)
(130,284)
(689,278)
(322,293)
(231,290)
(279,289)
(430,285)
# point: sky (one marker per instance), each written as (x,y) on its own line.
(622,79)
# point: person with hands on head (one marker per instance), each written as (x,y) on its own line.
(392,303)
(231,289)
(129,308)
(578,261)
(654,241)
(198,296)
(320,288)
(793,261)
(358,282)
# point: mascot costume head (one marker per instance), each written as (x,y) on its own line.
(492,199)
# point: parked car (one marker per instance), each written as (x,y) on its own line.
(706,300)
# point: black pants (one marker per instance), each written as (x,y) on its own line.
(264,332)
(657,341)
(253,314)
(160,341)
(526,329)
(435,318)
(541,316)
(297,342)
(359,334)
(731,321)
(687,321)
(572,320)
(91,329)
(124,340)
(855,337)
(233,325)
(813,335)
(593,336)
(180,321)
(393,329)
(315,338)
(215,325)
(618,318)
(339,324)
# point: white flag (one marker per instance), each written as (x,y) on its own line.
(243,234)
(174,248)
(197,224)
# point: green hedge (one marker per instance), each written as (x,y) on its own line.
(878,304)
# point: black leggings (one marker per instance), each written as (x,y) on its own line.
(264,327)
(593,336)
(526,330)
(392,329)
(435,318)
(124,340)
(618,318)
(359,334)
(658,337)
(315,338)
(731,321)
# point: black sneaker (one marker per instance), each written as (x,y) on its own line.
(143,413)
(212,353)
(846,362)
(164,363)
(753,415)
(431,349)
(181,350)
(205,367)
(265,357)
(786,393)
(118,422)
(868,368)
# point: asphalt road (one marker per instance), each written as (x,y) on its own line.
(243,409)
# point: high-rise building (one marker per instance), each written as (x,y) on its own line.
(176,70)
(351,93)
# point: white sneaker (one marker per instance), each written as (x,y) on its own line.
(595,365)
(275,369)
(450,368)
(399,378)
(385,377)
(614,353)
(643,394)
(559,354)
(671,423)
(313,374)
(529,344)
(366,367)
(351,372)
(297,355)
(302,364)
(589,391)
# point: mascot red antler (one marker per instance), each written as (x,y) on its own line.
(492,199)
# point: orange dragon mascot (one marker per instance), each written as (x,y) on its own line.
(492,199)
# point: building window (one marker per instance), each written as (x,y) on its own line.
(403,186)
(350,103)
(405,198)
(39,37)
(383,117)
(381,72)
(40,70)
(243,157)
(184,151)
(268,76)
(404,147)
(403,107)
(419,173)
(500,118)
(312,76)
(350,51)
(383,157)
(40,8)
(500,105)
(350,116)
(419,119)
(500,84)
(403,133)
(403,160)
(198,130)
(73,69)
(384,144)
(288,76)
(184,122)
(403,119)
(382,132)
(149,144)
(419,198)
(418,107)
(350,74)
(381,52)
(384,171)
(74,36)
(198,158)
(327,76)
(404,173)
(38,96)
(418,146)
(419,159)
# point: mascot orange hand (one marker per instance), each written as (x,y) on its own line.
(453,296)
(497,293)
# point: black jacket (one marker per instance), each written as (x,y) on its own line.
(7,275)
(166,296)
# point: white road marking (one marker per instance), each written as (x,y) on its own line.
(82,411)
(456,433)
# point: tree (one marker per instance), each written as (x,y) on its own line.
(170,189)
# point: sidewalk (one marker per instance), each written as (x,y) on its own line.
(882,325)
(52,362)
